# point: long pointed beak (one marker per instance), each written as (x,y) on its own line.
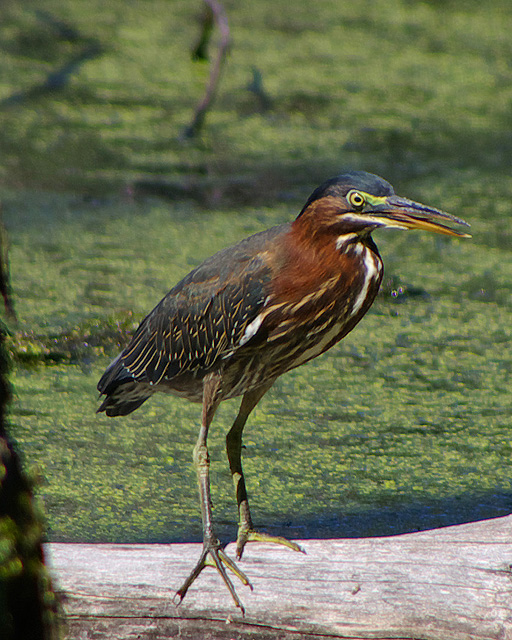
(402,213)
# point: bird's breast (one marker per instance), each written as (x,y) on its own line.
(293,329)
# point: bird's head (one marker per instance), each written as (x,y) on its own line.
(358,203)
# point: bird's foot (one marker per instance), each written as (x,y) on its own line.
(250,535)
(213,556)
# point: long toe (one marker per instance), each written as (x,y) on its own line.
(214,556)
(250,535)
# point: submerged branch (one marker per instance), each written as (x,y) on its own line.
(221,20)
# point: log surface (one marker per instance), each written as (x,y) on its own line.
(453,583)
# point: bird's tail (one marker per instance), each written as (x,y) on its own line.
(123,393)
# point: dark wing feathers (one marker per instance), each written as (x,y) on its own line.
(201,320)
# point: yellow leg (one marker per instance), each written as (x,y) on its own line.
(246,532)
(212,554)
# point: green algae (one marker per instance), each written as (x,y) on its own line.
(412,408)
(403,425)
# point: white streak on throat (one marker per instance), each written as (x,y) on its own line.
(342,240)
(373,269)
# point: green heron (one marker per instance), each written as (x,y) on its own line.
(252,312)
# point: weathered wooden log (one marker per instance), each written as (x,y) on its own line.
(453,583)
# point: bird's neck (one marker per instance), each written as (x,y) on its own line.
(321,235)
(310,258)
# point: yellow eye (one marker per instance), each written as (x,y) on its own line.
(356,199)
